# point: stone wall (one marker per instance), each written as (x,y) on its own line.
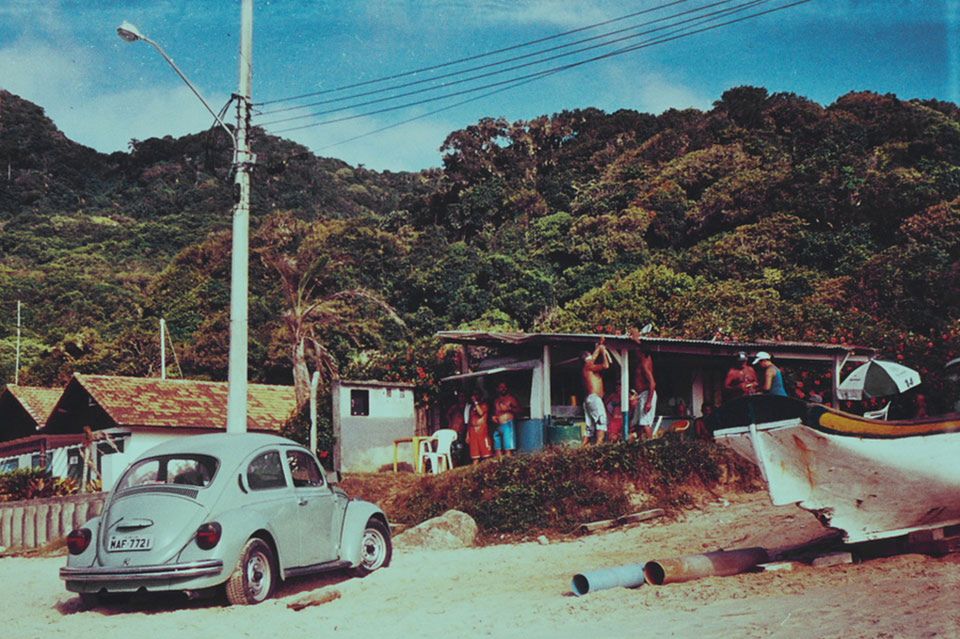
(37,522)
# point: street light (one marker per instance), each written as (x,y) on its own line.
(243,160)
(130,33)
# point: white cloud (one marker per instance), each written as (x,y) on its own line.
(560,13)
(67,82)
(412,146)
(656,93)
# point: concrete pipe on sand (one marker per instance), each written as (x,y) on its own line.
(721,563)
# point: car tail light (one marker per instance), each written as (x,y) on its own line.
(78,540)
(208,535)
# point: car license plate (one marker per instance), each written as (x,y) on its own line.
(120,543)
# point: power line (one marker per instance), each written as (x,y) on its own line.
(478,56)
(699,19)
(532,77)
(418,117)
(506,60)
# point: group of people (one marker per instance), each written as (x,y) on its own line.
(490,426)
(742,378)
(604,419)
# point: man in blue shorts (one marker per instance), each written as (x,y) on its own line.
(506,407)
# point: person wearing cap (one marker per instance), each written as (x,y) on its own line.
(772,377)
(741,378)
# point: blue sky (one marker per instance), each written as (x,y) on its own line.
(103,92)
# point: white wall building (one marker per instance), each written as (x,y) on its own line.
(368,416)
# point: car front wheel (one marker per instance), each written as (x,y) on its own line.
(375,548)
(254,578)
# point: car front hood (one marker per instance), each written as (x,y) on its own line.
(167,518)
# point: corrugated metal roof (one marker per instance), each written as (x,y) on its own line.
(36,400)
(655,344)
(184,403)
(375,383)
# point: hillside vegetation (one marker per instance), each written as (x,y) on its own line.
(768,216)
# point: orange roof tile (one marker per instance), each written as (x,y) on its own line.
(36,400)
(185,403)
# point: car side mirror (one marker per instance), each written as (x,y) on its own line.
(333,477)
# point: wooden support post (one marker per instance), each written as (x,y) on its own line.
(546,390)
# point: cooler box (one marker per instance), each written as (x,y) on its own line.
(565,434)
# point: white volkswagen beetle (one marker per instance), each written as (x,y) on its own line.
(240,511)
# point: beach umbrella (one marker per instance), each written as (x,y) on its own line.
(878,378)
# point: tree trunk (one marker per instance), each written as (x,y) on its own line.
(301,373)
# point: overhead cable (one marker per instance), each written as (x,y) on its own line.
(505,61)
(515,82)
(657,40)
(470,58)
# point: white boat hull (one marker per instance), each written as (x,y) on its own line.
(868,487)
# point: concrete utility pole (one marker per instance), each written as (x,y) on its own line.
(243,160)
(240,264)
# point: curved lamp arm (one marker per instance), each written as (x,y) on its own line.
(130,33)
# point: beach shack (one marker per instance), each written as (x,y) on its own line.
(543,371)
(368,418)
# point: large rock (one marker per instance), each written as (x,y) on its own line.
(452,529)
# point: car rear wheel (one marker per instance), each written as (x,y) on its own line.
(254,578)
(375,548)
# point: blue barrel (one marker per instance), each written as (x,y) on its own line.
(530,434)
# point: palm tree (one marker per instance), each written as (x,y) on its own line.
(308,260)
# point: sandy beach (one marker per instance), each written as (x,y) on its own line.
(523,590)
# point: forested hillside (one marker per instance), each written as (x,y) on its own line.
(769,216)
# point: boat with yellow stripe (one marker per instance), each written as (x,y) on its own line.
(872,479)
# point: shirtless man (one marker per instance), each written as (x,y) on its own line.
(505,408)
(593,409)
(645,385)
(478,434)
(741,379)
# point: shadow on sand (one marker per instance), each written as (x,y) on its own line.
(163,602)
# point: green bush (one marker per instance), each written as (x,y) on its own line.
(33,483)
(561,487)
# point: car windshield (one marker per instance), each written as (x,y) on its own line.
(186,470)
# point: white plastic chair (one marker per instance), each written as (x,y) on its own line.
(656,427)
(442,440)
(878,414)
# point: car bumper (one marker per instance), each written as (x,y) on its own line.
(163,572)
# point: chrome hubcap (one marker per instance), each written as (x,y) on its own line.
(373,549)
(258,576)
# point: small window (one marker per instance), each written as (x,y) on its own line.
(74,463)
(266,471)
(303,469)
(9,465)
(359,402)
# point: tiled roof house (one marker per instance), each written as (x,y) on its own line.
(104,401)
(136,414)
(25,409)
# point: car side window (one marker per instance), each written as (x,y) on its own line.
(266,471)
(304,469)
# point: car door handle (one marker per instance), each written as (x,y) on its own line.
(302,501)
